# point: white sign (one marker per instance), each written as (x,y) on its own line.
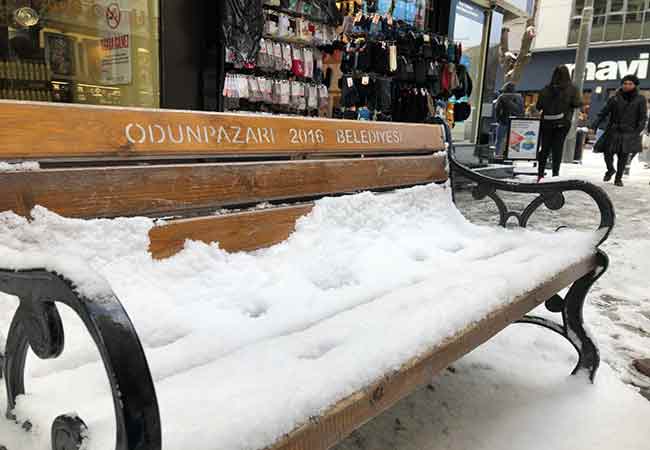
(116,60)
(523,139)
(615,70)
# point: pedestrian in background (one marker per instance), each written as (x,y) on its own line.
(628,114)
(508,104)
(556,102)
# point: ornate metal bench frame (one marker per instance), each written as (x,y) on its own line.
(37,323)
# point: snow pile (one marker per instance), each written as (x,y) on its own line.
(76,248)
(513,393)
(19,167)
(244,347)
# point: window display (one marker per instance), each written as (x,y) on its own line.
(395,71)
(97,52)
(283,72)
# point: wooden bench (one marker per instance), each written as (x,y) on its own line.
(104,163)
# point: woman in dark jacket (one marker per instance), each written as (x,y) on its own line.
(557,102)
(627,113)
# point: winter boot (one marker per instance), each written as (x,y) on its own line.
(608,175)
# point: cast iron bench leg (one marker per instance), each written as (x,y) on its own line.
(37,325)
(550,195)
(573,326)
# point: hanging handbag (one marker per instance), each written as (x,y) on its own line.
(601,142)
(645,141)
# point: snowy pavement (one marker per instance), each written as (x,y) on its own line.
(619,305)
(513,393)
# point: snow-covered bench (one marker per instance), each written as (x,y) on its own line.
(345,305)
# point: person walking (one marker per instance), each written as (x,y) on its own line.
(556,102)
(628,113)
(508,104)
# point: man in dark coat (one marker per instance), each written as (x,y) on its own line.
(627,112)
(507,105)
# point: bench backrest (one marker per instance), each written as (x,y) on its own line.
(109,162)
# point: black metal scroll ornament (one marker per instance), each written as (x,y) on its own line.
(551,195)
(37,325)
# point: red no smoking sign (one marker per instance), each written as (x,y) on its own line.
(113,15)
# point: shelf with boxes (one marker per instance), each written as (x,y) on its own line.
(25,80)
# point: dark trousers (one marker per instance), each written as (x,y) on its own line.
(620,163)
(553,137)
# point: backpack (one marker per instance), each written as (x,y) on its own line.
(509,105)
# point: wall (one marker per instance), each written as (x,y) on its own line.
(553,24)
(516,27)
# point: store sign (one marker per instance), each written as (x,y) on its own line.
(116,59)
(615,69)
(606,66)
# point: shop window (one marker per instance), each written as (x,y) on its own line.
(616,5)
(574,30)
(633,26)
(597,29)
(614,27)
(469,30)
(600,7)
(646,26)
(614,20)
(102,52)
(635,6)
(577,7)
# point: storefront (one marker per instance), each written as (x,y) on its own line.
(388,60)
(144,53)
(94,52)
(604,71)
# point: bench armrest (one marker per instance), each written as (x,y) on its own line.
(37,325)
(551,195)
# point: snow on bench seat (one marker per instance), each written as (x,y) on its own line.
(245,347)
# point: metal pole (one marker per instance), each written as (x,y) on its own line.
(582,53)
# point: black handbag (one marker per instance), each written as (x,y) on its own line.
(601,143)
(405,70)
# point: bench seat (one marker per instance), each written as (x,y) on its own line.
(370,296)
(341,307)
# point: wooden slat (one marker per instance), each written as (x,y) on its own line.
(235,232)
(172,189)
(32,130)
(354,411)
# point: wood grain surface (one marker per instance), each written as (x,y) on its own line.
(178,189)
(244,231)
(33,130)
